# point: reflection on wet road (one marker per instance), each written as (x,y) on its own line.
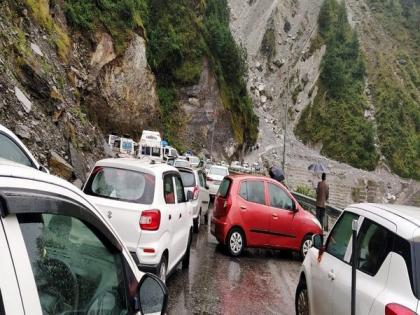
(259,282)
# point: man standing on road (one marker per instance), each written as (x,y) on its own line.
(322,193)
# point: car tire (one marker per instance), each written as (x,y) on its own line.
(162,269)
(235,242)
(305,246)
(197,222)
(186,259)
(302,299)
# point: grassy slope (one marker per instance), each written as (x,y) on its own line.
(336,118)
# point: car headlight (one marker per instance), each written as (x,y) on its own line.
(315,220)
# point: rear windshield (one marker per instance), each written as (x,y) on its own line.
(181,163)
(120,184)
(224,188)
(188,179)
(222,171)
(416,269)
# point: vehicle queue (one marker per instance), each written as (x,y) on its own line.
(86,252)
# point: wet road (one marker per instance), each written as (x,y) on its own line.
(258,282)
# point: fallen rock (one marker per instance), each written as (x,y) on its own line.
(26,103)
(258,66)
(23,132)
(261,88)
(194,101)
(263,99)
(59,166)
(79,163)
(35,48)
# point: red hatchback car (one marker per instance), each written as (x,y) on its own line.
(256,211)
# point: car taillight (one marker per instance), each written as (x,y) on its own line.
(196,192)
(222,206)
(397,309)
(150,220)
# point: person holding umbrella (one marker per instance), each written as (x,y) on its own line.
(322,194)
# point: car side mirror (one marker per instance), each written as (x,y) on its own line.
(190,196)
(152,295)
(317,242)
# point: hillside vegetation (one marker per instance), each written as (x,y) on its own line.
(180,35)
(396,79)
(336,117)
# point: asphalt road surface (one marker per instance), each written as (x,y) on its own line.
(258,282)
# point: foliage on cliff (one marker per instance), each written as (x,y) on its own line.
(396,82)
(181,34)
(336,118)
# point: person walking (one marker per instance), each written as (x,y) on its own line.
(322,194)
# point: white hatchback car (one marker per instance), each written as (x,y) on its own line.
(387,259)
(195,181)
(59,255)
(13,149)
(146,204)
(215,176)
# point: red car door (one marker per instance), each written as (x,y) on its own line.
(254,212)
(282,231)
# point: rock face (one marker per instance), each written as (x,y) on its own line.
(59,166)
(209,125)
(124,99)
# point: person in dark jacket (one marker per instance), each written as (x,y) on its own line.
(322,194)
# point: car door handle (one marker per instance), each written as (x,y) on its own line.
(243,208)
(331,275)
(170,217)
(180,215)
(275,216)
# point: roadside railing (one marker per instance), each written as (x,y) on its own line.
(308,203)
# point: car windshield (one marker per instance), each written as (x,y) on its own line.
(10,151)
(194,160)
(188,178)
(222,171)
(120,184)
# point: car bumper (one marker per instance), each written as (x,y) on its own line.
(219,229)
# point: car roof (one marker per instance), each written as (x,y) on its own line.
(406,218)
(143,165)
(15,138)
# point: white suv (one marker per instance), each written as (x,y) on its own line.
(195,181)
(59,255)
(387,259)
(146,204)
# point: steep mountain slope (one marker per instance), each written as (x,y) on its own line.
(72,71)
(290,76)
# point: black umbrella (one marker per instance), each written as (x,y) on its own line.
(276,173)
(317,168)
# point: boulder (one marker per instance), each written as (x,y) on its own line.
(26,103)
(79,163)
(59,166)
(35,48)
(23,132)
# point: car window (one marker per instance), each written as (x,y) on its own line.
(253,191)
(188,178)
(121,184)
(180,195)
(375,243)
(224,188)
(75,273)
(339,237)
(279,198)
(221,171)
(168,189)
(12,152)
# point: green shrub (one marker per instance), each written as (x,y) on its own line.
(305,190)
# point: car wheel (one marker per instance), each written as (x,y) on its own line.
(162,269)
(306,245)
(235,242)
(186,259)
(301,299)
(197,222)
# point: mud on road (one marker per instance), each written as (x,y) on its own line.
(258,282)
